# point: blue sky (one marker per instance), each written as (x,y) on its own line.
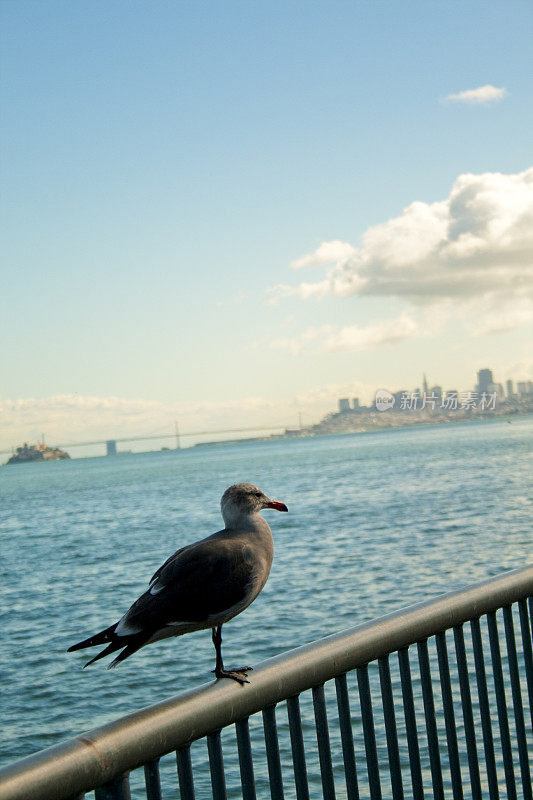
(164,163)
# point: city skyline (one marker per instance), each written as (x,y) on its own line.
(486,392)
(216,216)
(490,394)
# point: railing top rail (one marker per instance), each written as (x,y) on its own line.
(96,757)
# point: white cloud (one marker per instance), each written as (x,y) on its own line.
(353,337)
(476,245)
(481,95)
(496,314)
(331,339)
(326,253)
(305,290)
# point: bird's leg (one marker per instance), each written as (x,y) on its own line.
(238,674)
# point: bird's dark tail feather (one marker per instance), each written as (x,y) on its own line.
(116,645)
(129,650)
(130,644)
(98,638)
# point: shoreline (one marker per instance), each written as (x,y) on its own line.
(326,429)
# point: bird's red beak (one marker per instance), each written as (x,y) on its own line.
(276,505)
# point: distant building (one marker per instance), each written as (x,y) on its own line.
(437,391)
(497,389)
(355,402)
(344,405)
(111,447)
(509,387)
(484,381)
(525,388)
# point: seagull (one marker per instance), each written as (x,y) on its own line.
(203,585)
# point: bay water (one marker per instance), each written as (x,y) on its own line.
(376,521)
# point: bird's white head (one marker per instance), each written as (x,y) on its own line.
(244,499)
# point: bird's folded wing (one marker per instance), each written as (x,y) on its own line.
(170,559)
(198,581)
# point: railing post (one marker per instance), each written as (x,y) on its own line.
(324,748)
(369,733)
(468,716)
(501,703)
(528,653)
(348,750)
(518,708)
(431,725)
(183,758)
(410,724)
(273,757)
(117,789)
(152,780)
(484,710)
(246,764)
(449,717)
(297,747)
(216,766)
(390,728)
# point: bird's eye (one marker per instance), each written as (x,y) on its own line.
(257,494)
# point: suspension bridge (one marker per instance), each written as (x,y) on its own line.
(176,436)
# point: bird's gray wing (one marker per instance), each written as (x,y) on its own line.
(169,560)
(198,581)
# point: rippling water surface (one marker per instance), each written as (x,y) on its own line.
(377,521)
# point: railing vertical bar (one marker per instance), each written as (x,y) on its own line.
(390,728)
(152,780)
(431,724)
(468,714)
(369,733)
(216,766)
(348,751)
(484,710)
(186,781)
(117,789)
(324,747)
(517,703)
(501,703)
(410,725)
(449,716)
(530,604)
(528,652)
(246,764)
(273,757)
(297,747)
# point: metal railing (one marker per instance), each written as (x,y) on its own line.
(392,711)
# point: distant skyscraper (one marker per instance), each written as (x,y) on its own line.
(425,385)
(355,401)
(436,391)
(484,381)
(344,404)
(111,447)
(525,388)
(509,387)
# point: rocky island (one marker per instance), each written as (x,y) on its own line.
(37,452)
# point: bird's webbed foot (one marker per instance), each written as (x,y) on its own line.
(238,674)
